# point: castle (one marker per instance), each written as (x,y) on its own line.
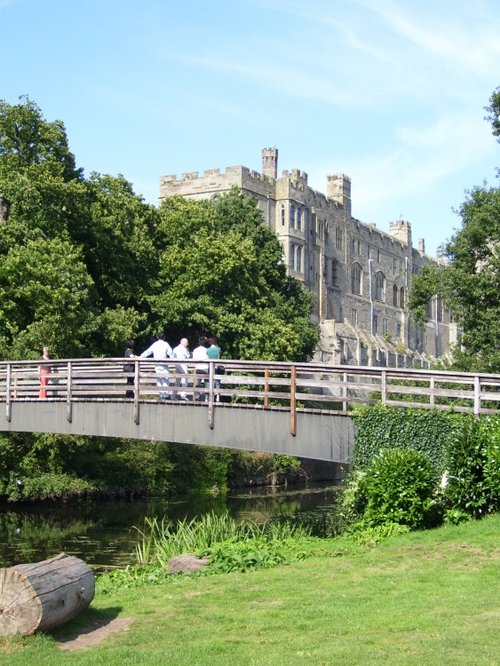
(359,275)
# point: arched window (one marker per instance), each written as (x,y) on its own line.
(379,286)
(395,295)
(402,297)
(292,216)
(356,274)
(282,215)
(298,262)
(291,261)
(299,218)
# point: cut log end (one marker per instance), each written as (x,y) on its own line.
(43,595)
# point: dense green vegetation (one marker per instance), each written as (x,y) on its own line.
(417,468)
(86,264)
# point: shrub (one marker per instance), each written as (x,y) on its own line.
(490,432)
(473,467)
(46,486)
(398,487)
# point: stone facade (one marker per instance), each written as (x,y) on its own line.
(359,275)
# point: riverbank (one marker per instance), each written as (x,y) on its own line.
(103,533)
(424,598)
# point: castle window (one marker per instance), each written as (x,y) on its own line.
(385,325)
(356,246)
(291,261)
(398,329)
(299,218)
(395,295)
(282,215)
(428,310)
(439,309)
(334,279)
(378,256)
(292,216)
(374,323)
(356,274)
(298,266)
(379,286)
(402,297)
(338,238)
(354,317)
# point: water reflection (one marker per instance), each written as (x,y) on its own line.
(103,533)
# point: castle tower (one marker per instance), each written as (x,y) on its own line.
(338,188)
(401,230)
(270,162)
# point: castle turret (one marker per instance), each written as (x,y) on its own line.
(338,188)
(401,230)
(270,162)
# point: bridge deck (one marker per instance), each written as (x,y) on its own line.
(299,409)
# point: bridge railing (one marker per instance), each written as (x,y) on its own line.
(265,385)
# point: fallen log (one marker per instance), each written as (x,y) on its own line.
(43,595)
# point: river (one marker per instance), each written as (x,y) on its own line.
(104,533)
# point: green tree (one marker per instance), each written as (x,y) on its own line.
(221,272)
(45,295)
(85,246)
(470,283)
(26,138)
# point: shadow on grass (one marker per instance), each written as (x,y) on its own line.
(90,621)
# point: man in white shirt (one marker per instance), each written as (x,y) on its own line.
(201,369)
(160,350)
(181,353)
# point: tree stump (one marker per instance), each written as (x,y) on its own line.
(43,595)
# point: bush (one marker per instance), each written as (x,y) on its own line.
(46,486)
(473,467)
(490,432)
(398,487)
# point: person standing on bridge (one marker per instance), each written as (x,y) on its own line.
(181,353)
(44,371)
(129,368)
(201,369)
(214,353)
(160,350)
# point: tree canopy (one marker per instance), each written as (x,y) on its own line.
(86,264)
(221,271)
(470,283)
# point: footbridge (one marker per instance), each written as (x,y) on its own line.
(297,409)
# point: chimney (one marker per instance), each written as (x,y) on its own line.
(270,162)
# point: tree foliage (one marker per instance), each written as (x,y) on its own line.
(221,271)
(470,283)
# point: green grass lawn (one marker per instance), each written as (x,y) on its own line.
(424,598)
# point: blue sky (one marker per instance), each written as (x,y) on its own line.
(392,93)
